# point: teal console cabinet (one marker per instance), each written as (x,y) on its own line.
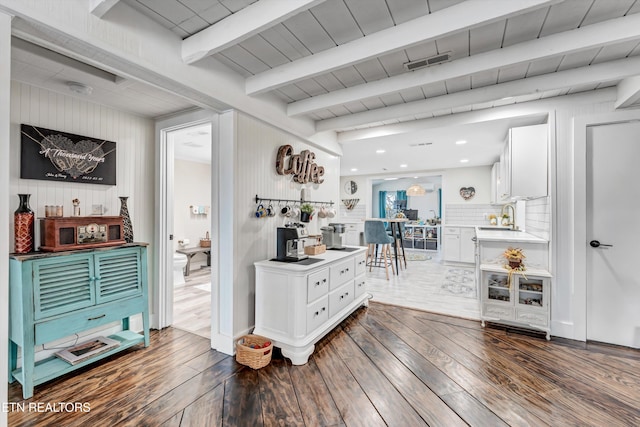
(56,295)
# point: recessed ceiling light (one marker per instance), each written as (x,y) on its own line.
(464,161)
(461,142)
(380,151)
(403,165)
(354,169)
(390,179)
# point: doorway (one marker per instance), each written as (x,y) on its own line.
(192,228)
(167,243)
(613,286)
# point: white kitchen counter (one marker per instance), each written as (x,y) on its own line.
(328,257)
(507,236)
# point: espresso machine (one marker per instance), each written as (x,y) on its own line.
(291,243)
(332,235)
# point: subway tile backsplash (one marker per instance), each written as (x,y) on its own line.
(538,217)
(464,214)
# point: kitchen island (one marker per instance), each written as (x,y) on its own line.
(298,303)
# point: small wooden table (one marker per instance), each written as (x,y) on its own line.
(190,252)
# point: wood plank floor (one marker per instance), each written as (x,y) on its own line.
(384,365)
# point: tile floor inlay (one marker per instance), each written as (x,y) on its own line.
(460,281)
(424,285)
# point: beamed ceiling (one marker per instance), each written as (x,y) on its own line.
(342,63)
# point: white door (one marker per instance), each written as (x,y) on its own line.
(613,234)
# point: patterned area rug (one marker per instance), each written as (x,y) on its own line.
(460,281)
(412,256)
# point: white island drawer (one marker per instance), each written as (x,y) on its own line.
(361,264)
(340,298)
(317,314)
(317,285)
(341,273)
(359,285)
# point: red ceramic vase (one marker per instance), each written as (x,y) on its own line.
(24,219)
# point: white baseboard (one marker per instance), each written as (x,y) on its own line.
(564,330)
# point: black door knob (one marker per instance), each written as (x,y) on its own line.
(597,244)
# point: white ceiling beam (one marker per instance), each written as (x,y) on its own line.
(595,35)
(460,17)
(593,74)
(397,132)
(628,92)
(241,25)
(100,7)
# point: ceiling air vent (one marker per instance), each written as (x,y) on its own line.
(426,62)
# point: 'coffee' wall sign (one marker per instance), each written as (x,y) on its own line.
(301,166)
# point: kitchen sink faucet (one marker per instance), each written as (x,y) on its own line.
(512,222)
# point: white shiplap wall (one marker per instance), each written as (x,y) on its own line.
(134,163)
(255,239)
(134,137)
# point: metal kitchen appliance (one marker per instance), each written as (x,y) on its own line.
(290,242)
(332,235)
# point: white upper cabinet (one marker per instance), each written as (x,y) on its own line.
(495,176)
(523,169)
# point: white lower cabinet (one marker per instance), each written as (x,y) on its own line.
(522,301)
(459,245)
(296,305)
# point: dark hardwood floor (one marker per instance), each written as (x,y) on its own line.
(383,365)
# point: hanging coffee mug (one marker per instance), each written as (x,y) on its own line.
(322,213)
(261,212)
(286,211)
(271,211)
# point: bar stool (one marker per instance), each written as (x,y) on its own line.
(375,234)
(400,229)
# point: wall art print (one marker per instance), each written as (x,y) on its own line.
(52,155)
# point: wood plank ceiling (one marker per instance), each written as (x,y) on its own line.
(541,40)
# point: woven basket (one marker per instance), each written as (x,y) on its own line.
(255,358)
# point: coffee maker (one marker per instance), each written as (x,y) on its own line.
(291,243)
(332,235)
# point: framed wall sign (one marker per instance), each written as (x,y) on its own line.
(52,155)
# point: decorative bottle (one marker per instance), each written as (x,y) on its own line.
(24,219)
(126,219)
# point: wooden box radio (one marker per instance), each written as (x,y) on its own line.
(80,232)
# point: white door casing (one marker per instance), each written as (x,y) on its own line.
(163,302)
(613,204)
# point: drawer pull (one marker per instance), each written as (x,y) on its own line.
(323,282)
(346,294)
(317,313)
(97,317)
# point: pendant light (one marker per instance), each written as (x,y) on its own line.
(416,190)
